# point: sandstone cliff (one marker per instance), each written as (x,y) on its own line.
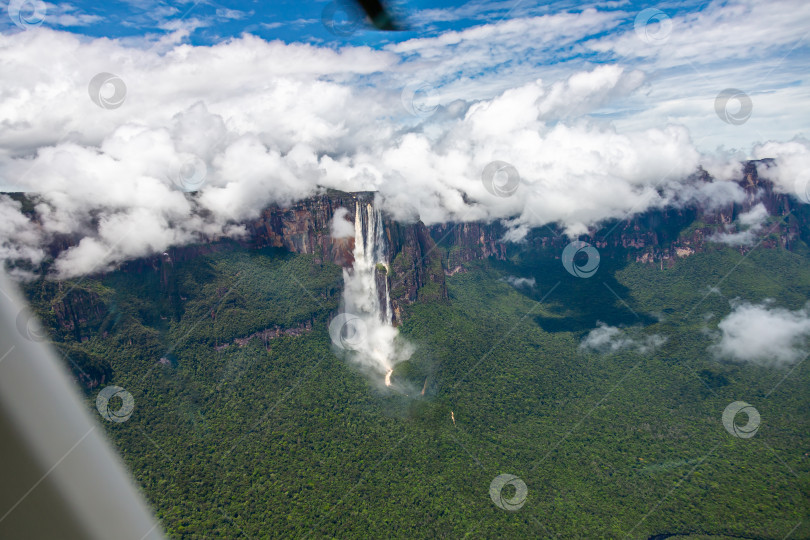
(420,257)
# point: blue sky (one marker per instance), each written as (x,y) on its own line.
(301,21)
(605,109)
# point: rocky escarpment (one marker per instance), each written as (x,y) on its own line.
(467,242)
(415,270)
(665,235)
(304,227)
(658,236)
(420,257)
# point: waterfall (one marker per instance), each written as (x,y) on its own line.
(364,325)
(362,293)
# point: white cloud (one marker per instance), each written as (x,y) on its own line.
(19,238)
(271,122)
(710,195)
(724,166)
(608,339)
(482,61)
(721,32)
(233,14)
(519,282)
(745,44)
(763,335)
(341,227)
(792,171)
(66,14)
(747,226)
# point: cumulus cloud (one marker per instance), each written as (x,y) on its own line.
(577,174)
(608,339)
(747,226)
(280,122)
(791,173)
(763,334)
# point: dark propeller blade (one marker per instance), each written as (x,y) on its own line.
(379,16)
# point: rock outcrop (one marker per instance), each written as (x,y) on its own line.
(657,236)
(415,263)
(421,257)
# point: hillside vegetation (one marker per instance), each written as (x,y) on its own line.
(284,438)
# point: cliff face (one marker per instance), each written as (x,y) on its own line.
(415,265)
(421,257)
(469,241)
(657,236)
(304,227)
(665,235)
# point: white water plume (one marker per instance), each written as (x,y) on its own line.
(364,326)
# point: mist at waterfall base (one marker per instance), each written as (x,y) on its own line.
(363,328)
